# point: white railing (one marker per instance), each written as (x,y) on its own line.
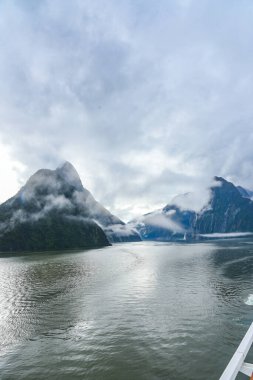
(237,363)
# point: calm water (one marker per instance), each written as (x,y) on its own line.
(133,311)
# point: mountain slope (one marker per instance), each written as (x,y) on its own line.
(227,211)
(54,211)
(246,193)
(115,229)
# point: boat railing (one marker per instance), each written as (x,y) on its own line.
(237,363)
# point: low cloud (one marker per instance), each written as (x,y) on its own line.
(23,216)
(227,235)
(120,230)
(158,219)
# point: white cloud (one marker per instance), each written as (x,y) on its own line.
(10,172)
(147,99)
(227,235)
(158,219)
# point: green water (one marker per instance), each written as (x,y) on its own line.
(132,311)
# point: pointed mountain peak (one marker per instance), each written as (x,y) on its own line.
(219,179)
(69,174)
(222,183)
(66,166)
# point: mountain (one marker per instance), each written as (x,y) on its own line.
(228,210)
(54,211)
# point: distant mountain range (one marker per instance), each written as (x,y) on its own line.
(54,211)
(230,209)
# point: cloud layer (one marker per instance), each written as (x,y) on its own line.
(147,99)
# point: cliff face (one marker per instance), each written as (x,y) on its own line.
(228,211)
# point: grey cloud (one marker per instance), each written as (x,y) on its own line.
(147,99)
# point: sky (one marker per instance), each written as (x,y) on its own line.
(147,99)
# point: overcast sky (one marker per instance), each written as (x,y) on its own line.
(147,98)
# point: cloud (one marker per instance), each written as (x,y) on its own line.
(147,99)
(196,201)
(43,208)
(157,219)
(227,235)
(119,230)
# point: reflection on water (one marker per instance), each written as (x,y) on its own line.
(249,300)
(139,311)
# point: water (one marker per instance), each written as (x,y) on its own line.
(132,311)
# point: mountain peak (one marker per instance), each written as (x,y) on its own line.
(69,174)
(219,179)
(66,166)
